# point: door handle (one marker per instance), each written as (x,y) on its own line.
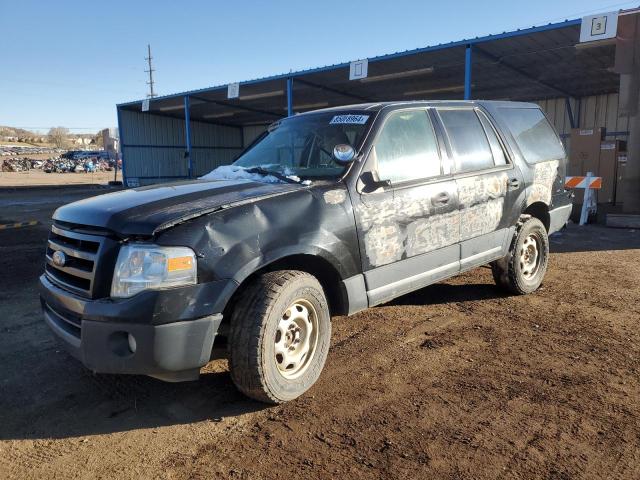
(441,198)
(514,184)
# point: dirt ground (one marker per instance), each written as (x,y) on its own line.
(456,380)
(39,178)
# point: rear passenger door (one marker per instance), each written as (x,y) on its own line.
(408,227)
(488,184)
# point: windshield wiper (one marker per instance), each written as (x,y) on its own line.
(264,172)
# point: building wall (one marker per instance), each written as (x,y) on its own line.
(251,132)
(590,112)
(153,147)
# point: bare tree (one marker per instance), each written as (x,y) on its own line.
(59,136)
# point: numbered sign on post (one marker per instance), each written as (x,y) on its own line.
(358,69)
(233,90)
(599,27)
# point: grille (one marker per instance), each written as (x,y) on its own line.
(79,270)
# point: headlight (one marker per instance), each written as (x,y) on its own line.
(143,267)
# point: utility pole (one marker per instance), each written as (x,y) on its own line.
(151,93)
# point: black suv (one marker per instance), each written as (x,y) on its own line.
(327,213)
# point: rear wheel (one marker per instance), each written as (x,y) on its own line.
(522,270)
(279,336)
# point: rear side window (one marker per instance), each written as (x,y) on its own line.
(406,148)
(536,138)
(470,145)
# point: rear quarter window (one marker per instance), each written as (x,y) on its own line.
(537,139)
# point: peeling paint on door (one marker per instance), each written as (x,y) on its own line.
(334,197)
(408,224)
(481,203)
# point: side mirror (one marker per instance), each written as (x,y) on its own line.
(343,153)
(372,183)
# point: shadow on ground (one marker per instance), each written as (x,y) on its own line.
(442,293)
(594,238)
(84,404)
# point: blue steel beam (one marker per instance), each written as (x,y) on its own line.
(187,134)
(467,72)
(289,96)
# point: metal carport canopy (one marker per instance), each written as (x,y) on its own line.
(528,64)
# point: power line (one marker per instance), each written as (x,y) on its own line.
(151,93)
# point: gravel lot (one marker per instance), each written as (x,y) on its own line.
(40,178)
(456,380)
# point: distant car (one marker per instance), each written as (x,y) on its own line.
(330,212)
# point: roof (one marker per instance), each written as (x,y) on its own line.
(529,64)
(377,106)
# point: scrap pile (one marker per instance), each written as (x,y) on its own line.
(58,165)
(15,150)
(16,165)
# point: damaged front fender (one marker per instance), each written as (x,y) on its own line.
(234,242)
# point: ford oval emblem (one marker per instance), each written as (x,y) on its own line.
(59,258)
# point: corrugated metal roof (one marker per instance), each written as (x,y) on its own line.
(532,63)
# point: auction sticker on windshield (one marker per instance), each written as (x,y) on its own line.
(349,119)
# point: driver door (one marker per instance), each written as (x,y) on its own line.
(407,209)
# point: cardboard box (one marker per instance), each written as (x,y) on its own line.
(585,150)
(584,155)
(610,152)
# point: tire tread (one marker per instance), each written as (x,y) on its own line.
(504,271)
(246,330)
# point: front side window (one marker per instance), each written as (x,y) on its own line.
(303,145)
(536,138)
(469,142)
(406,148)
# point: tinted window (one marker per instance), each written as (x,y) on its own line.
(536,138)
(471,148)
(499,156)
(407,148)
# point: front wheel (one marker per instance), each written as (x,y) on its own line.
(279,336)
(522,270)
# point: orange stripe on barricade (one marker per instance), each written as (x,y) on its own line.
(596,183)
(573,182)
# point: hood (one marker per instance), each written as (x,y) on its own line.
(149,210)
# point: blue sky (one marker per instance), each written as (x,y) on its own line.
(69,62)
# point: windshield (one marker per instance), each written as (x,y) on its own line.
(303,145)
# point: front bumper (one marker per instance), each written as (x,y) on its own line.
(174,329)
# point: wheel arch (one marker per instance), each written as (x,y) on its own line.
(321,267)
(539,210)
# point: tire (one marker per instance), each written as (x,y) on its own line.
(522,270)
(269,332)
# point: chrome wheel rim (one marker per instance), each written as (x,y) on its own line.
(296,338)
(530,256)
